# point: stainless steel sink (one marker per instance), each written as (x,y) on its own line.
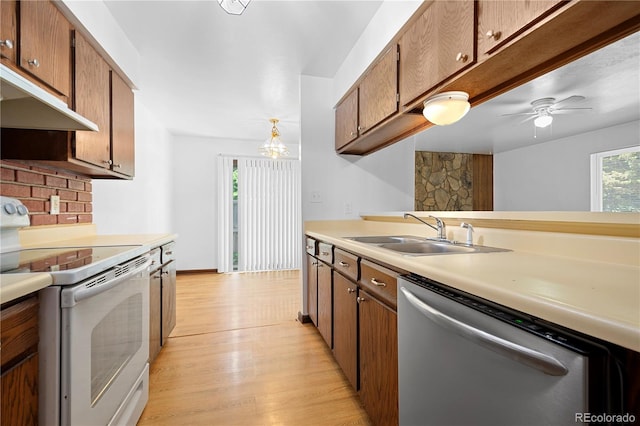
(383,239)
(418,246)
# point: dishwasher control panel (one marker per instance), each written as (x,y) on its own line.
(521,320)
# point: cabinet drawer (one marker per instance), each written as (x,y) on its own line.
(325,252)
(168,252)
(19,330)
(310,246)
(346,264)
(379,281)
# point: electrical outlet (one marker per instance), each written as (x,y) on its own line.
(316,197)
(55,204)
(348,208)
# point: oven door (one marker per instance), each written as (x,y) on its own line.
(105,344)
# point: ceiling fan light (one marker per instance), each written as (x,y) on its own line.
(543,120)
(446,108)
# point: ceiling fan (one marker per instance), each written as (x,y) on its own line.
(545,108)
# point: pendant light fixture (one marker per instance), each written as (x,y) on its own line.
(273,147)
(446,108)
(234,7)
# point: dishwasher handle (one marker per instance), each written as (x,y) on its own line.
(545,363)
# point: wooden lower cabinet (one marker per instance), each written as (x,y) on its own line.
(378,345)
(19,361)
(345,327)
(325,303)
(312,288)
(168,300)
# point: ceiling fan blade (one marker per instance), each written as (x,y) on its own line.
(569,110)
(531,117)
(574,98)
(518,113)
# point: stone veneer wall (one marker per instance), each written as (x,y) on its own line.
(444,181)
(34,186)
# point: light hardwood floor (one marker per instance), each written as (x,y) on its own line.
(238,356)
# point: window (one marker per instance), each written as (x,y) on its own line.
(615,180)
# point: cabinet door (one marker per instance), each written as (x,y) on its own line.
(345,327)
(438,45)
(20,393)
(8,30)
(155,315)
(45,44)
(168,300)
(325,309)
(312,288)
(499,21)
(378,94)
(92,101)
(122,125)
(378,360)
(347,119)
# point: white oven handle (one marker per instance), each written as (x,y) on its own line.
(82,292)
(545,363)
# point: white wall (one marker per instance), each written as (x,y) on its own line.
(141,205)
(195,192)
(555,175)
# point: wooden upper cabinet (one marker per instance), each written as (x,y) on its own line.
(438,45)
(347,119)
(500,21)
(45,44)
(92,102)
(378,91)
(122,125)
(8,29)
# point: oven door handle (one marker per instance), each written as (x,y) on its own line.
(545,363)
(80,293)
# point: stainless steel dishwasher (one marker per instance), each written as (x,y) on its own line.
(466,361)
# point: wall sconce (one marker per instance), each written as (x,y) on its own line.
(234,7)
(446,108)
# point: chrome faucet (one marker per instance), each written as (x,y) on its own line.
(440,227)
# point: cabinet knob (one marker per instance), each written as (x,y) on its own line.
(461,57)
(360,299)
(494,34)
(350,290)
(353,133)
(309,247)
(325,253)
(378,283)
(115,166)
(6,43)
(34,62)
(344,264)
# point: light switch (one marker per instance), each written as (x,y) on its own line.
(55,204)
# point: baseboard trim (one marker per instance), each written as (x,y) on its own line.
(303,318)
(197,271)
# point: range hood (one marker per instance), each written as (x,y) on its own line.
(26,106)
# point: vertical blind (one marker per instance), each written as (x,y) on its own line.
(269,217)
(225,214)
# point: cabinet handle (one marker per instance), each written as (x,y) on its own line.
(378,283)
(6,43)
(314,263)
(324,253)
(115,166)
(34,62)
(309,247)
(169,252)
(461,57)
(494,35)
(344,264)
(165,273)
(360,299)
(350,290)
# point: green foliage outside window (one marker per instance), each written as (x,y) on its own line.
(621,182)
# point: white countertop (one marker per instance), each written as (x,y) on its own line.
(597,298)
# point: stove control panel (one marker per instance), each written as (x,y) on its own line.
(13,214)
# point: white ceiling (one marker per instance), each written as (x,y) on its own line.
(211,74)
(207,73)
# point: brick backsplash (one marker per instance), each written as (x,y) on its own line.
(34,185)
